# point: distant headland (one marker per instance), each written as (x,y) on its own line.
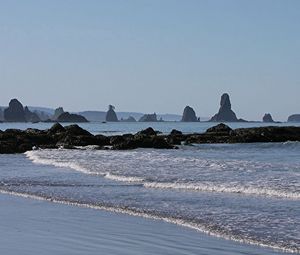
(16,112)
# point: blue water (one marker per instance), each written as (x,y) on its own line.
(244,192)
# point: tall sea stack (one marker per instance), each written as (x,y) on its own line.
(268,118)
(14,112)
(189,115)
(111,116)
(225,113)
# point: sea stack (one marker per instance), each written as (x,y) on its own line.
(31,116)
(225,113)
(189,115)
(111,116)
(149,118)
(14,112)
(294,118)
(69,117)
(268,118)
(58,111)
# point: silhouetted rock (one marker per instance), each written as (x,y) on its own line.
(58,111)
(225,113)
(189,115)
(129,119)
(68,117)
(111,116)
(56,128)
(31,116)
(15,112)
(147,131)
(175,132)
(268,118)
(220,128)
(294,118)
(1,115)
(148,118)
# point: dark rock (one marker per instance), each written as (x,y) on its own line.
(15,112)
(220,128)
(31,116)
(75,130)
(294,118)
(148,118)
(129,119)
(111,116)
(225,113)
(268,118)
(148,131)
(56,128)
(58,111)
(175,132)
(1,115)
(74,118)
(189,115)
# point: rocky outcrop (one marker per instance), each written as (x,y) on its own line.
(111,116)
(149,118)
(14,112)
(225,113)
(18,141)
(68,117)
(58,111)
(268,118)
(1,115)
(129,119)
(189,115)
(31,116)
(294,118)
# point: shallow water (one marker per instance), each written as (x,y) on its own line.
(244,192)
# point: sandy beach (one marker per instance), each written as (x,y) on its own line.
(31,226)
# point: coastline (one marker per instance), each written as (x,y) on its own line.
(31,226)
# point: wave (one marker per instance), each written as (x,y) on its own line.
(197,187)
(149,215)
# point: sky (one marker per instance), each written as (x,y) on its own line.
(152,55)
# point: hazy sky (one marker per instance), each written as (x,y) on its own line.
(152,55)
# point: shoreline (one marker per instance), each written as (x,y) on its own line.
(43,222)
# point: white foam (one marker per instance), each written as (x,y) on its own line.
(171,220)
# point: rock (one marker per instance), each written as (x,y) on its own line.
(56,129)
(75,130)
(1,115)
(189,115)
(294,118)
(220,128)
(15,112)
(129,119)
(68,117)
(175,132)
(111,116)
(148,118)
(58,111)
(225,113)
(268,118)
(31,116)
(148,131)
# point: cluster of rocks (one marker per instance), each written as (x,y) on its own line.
(18,141)
(150,118)
(17,113)
(65,117)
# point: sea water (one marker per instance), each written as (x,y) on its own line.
(244,192)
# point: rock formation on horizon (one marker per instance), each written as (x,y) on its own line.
(129,119)
(294,118)
(225,113)
(1,115)
(149,118)
(58,111)
(189,115)
(14,112)
(69,117)
(268,118)
(111,115)
(31,116)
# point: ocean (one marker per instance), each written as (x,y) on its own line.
(248,193)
